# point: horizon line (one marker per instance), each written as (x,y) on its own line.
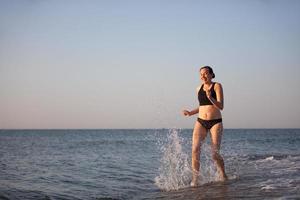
(1,129)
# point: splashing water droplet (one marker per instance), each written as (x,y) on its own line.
(175,171)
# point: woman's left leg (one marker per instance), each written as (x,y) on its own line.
(216,136)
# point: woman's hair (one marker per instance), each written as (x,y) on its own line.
(210,70)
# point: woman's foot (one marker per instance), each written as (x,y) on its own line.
(223,177)
(194,183)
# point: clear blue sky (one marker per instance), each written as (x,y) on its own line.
(134,64)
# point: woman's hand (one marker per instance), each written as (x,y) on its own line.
(186,113)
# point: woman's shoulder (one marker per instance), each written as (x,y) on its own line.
(199,87)
(217,85)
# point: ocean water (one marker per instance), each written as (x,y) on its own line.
(146,164)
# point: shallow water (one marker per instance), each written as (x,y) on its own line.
(146,164)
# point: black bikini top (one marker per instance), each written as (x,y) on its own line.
(203,100)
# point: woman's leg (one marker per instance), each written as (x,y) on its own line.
(199,134)
(216,137)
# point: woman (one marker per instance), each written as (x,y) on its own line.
(211,102)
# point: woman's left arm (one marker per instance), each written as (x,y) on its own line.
(219,102)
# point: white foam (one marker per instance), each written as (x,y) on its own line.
(270,158)
(267,187)
(284,165)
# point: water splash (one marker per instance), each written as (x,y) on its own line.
(208,170)
(175,171)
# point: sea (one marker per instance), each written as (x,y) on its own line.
(109,164)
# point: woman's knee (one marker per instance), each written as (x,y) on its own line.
(215,152)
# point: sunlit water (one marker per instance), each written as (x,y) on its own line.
(146,164)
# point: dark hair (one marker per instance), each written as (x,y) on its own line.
(209,69)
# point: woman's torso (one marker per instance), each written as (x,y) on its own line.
(208,112)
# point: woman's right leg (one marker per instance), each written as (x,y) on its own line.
(199,134)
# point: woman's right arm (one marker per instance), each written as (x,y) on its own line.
(195,111)
(192,112)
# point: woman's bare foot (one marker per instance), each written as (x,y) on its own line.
(195,181)
(193,184)
(223,177)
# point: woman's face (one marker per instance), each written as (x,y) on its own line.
(205,76)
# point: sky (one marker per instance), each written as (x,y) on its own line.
(135,64)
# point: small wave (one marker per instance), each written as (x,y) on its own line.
(286,165)
(269,158)
(278,158)
(261,158)
(278,183)
(16,194)
(232,177)
(267,187)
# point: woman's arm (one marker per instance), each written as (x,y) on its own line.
(219,102)
(192,112)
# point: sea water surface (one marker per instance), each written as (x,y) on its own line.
(146,164)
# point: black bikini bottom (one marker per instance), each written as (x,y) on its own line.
(209,123)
